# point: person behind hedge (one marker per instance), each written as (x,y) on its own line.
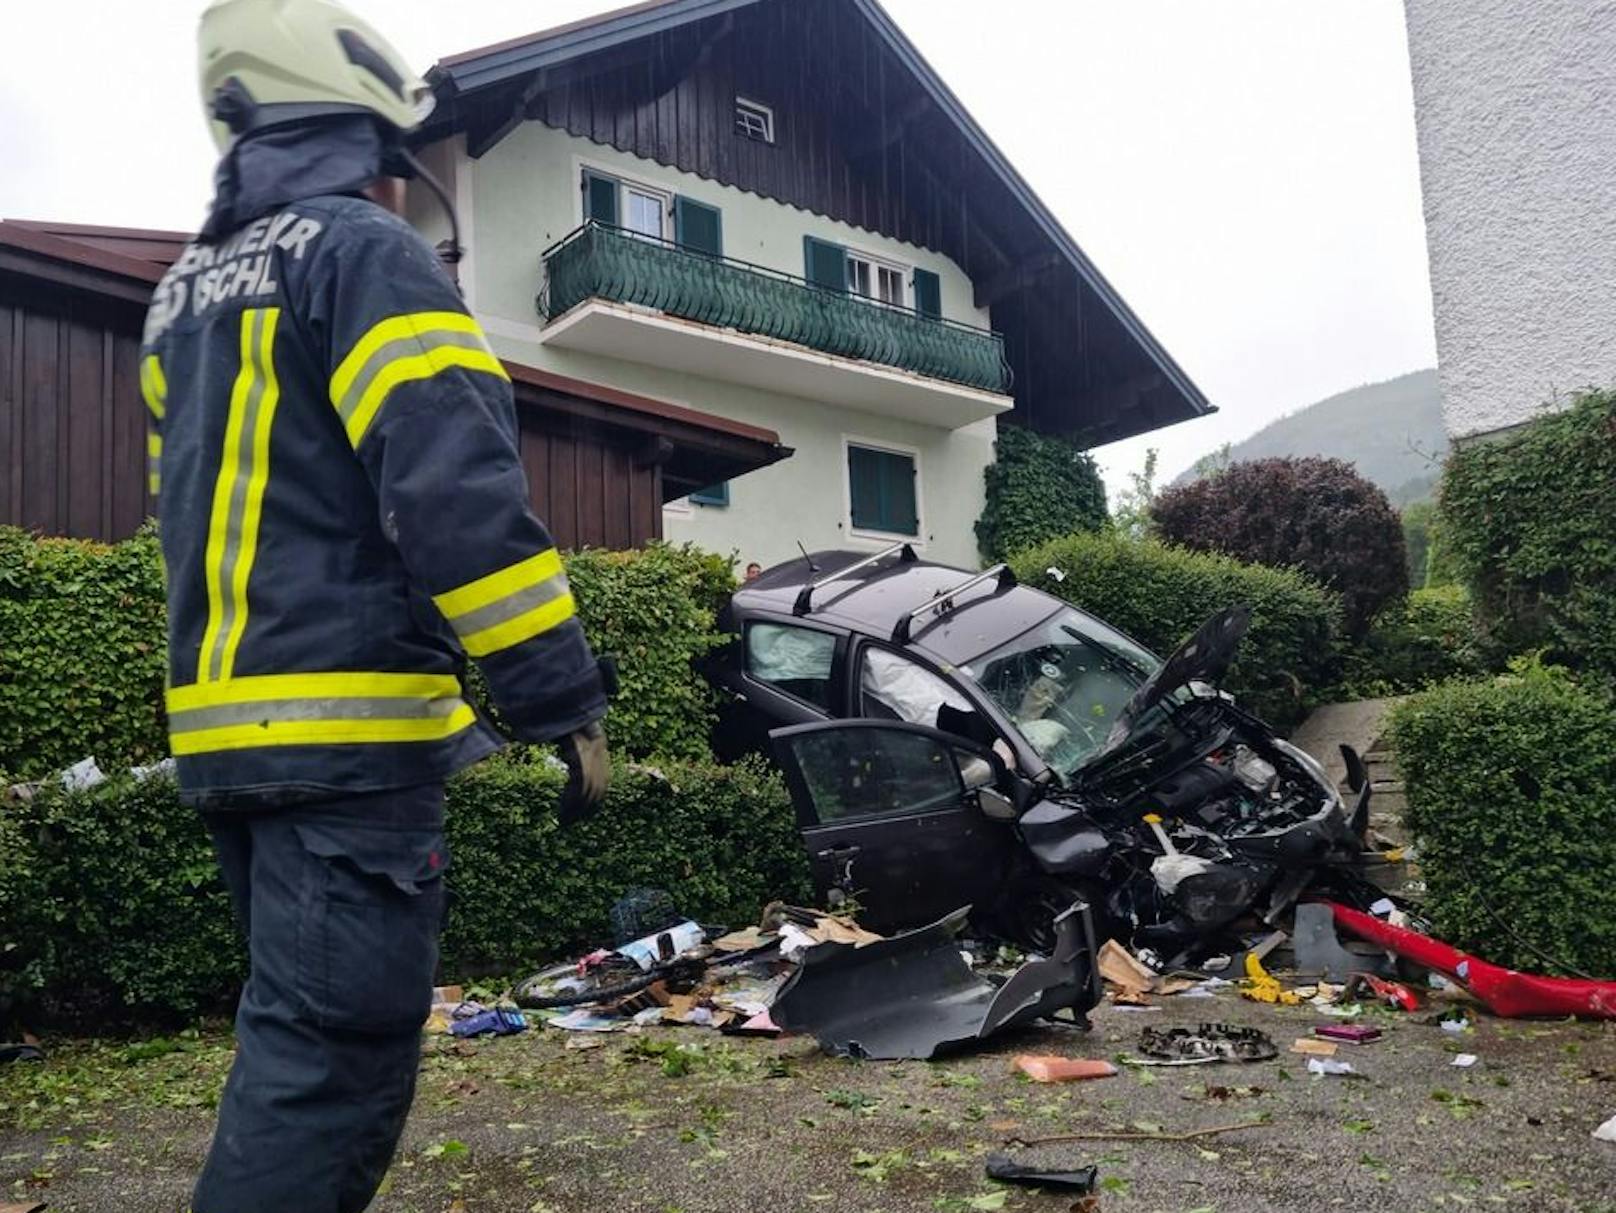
(344,520)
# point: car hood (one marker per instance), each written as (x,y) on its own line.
(1204,657)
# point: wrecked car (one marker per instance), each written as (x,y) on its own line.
(952,738)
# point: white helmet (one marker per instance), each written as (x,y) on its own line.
(266,62)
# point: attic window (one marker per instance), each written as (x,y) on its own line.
(754,121)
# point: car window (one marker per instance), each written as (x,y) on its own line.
(891,687)
(797,660)
(864,772)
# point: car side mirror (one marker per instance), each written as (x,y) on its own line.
(995,805)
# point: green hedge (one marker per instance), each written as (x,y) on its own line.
(1512,799)
(1160,594)
(112,910)
(83,648)
(1039,487)
(1530,519)
(82,652)
(1426,638)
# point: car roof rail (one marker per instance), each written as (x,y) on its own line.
(1001,573)
(805,596)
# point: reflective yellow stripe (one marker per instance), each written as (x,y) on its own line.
(154,452)
(417,366)
(322,732)
(238,495)
(476,594)
(260,688)
(257,481)
(524,627)
(401,348)
(153,387)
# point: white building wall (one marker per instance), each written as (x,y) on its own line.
(523,196)
(1516,111)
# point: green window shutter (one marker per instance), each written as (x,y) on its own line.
(826,263)
(698,227)
(928,294)
(713,494)
(882,487)
(600,199)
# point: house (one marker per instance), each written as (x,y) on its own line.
(773,211)
(1516,112)
(601,461)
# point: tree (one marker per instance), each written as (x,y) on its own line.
(1038,487)
(1315,514)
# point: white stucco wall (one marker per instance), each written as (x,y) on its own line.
(524,195)
(1516,111)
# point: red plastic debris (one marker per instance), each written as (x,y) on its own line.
(1506,992)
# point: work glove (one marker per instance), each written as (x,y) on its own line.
(589,772)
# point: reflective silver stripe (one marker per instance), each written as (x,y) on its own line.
(238,498)
(402,347)
(280,710)
(510,606)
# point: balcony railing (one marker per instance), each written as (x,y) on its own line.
(602,262)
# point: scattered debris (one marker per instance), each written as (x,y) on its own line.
(1261,986)
(1139,1135)
(21,1053)
(1465,1060)
(1314,1048)
(913,995)
(1351,1034)
(1393,993)
(1606,1131)
(1046,1068)
(474,1020)
(1006,1169)
(1506,992)
(1331,1067)
(582,1020)
(1210,1042)
(1319,951)
(1454,1027)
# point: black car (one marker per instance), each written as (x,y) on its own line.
(953,738)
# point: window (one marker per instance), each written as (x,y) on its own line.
(754,121)
(798,661)
(882,493)
(643,211)
(877,773)
(714,494)
(928,294)
(875,279)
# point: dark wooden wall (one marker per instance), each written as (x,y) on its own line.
(588,489)
(72,424)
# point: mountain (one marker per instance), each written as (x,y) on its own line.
(1391,431)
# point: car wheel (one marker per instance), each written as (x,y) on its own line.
(1030,910)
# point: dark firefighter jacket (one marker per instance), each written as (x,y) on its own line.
(344,514)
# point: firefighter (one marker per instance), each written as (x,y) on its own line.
(344,520)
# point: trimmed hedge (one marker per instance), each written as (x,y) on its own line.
(1426,638)
(1039,487)
(1317,515)
(1512,798)
(112,909)
(1530,519)
(83,648)
(83,652)
(1160,594)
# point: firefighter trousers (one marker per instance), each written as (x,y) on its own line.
(341,903)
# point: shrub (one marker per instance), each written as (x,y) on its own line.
(83,648)
(1426,638)
(1160,594)
(1038,487)
(1315,514)
(83,652)
(654,609)
(1531,522)
(112,909)
(1512,797)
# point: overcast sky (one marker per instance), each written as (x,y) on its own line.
(1243,171)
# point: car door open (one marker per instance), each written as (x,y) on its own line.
(892,815)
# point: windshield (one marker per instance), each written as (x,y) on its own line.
(1063,684)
